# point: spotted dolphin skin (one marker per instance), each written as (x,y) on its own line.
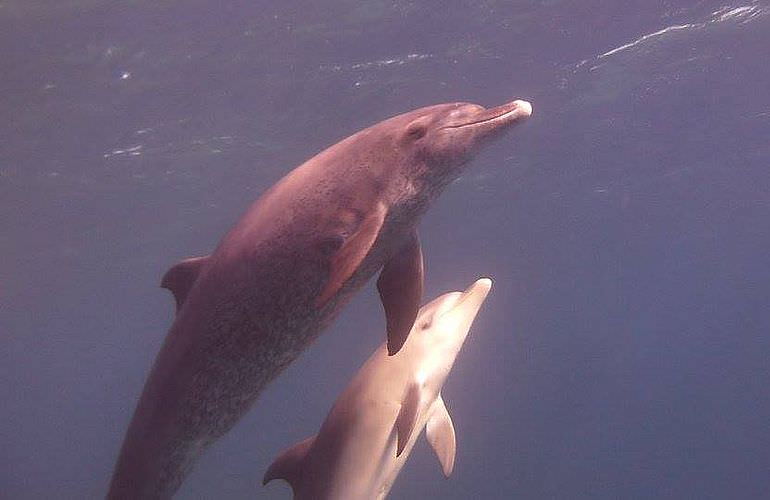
(283,272)
(372,427)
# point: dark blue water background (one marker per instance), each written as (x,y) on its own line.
(625,349)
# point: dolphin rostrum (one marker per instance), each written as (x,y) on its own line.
(370,430)
(284,271)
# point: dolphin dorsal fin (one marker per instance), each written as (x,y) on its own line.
(441,435)
(407,416)
(181,277)
(288,465)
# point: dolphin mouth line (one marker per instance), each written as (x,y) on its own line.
(518,107)
(481,286)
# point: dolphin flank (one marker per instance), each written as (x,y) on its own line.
(283,272)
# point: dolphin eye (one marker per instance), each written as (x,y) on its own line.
(416,130)
(425,324)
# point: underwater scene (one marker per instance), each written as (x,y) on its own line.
(359,249)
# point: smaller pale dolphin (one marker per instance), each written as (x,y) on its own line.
(373,425)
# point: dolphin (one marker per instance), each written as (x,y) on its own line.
(372,427)
(284,271)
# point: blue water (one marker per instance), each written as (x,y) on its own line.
(624,350)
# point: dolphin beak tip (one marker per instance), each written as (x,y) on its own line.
(480,288)
(483,284)
(524,108)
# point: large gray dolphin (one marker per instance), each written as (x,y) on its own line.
(373,425)
(284,271)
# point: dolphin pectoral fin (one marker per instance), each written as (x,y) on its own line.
(407,416)
(400,286)
(441,435)
(288,465)
(346,260)
(181,277)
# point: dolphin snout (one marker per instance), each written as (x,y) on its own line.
(474,295)
(523,108)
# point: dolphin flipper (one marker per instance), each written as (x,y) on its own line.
(400,286)
(441,435)
(288,465)
(407,416)
(352,252)
(181,277)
